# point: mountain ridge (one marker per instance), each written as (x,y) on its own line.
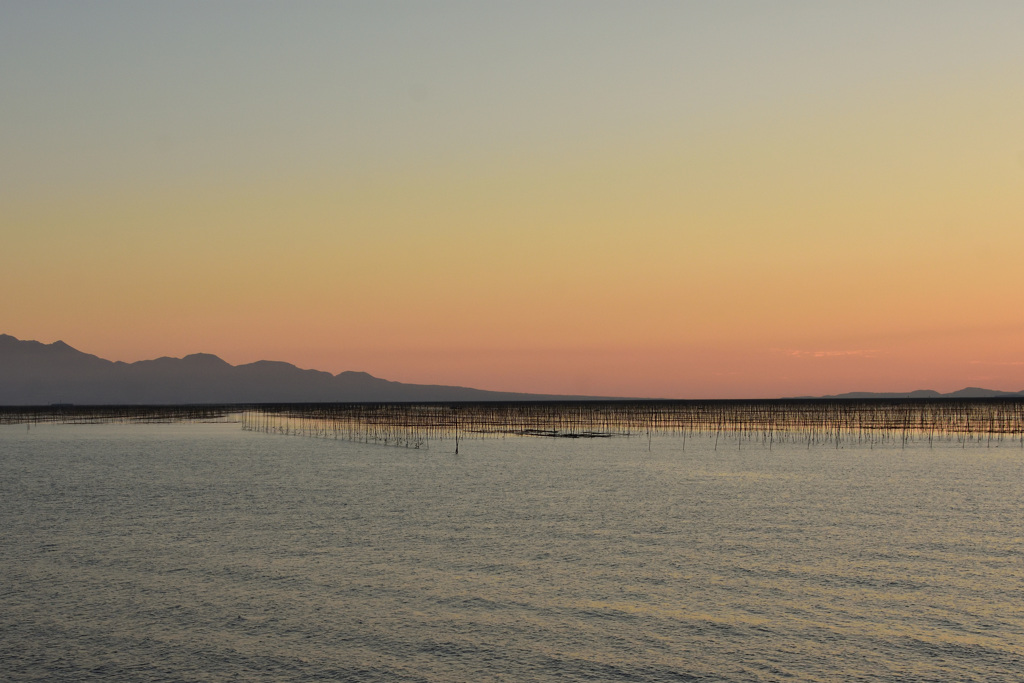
(966,392)
(33,373)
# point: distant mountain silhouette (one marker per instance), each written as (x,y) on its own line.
(33,373)
(969,392)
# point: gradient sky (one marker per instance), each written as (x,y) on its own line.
(665,199)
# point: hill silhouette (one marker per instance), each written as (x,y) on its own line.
(968,392)
(33,373)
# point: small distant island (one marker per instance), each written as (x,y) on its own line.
(968,392)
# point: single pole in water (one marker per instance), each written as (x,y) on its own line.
(455,410)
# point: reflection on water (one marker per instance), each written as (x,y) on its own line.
(204,552)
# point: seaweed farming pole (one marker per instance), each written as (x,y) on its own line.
(115,414)
(812,421)
(455,412)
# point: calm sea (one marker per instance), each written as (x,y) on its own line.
(199,552)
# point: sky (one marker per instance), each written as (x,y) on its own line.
(656,199)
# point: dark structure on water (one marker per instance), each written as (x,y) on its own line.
(816,422)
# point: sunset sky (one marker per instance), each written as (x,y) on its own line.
(656,199)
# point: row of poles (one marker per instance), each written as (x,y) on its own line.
(114,414)
(815,422)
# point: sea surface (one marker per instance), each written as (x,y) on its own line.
(201,552)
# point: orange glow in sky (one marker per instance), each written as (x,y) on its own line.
(684,200)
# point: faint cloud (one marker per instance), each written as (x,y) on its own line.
(997,362)
(862,353)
